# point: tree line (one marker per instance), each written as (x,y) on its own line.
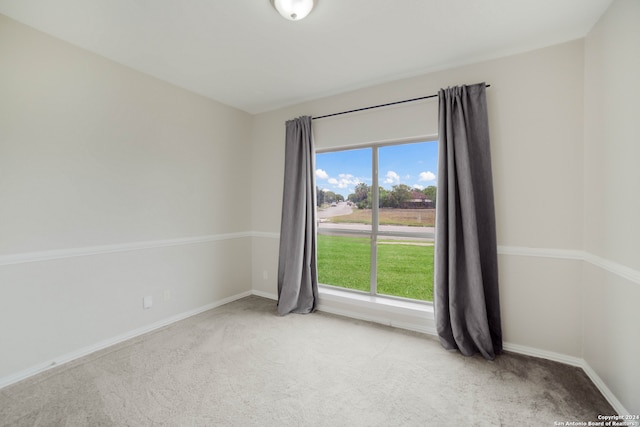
(400,196)
(327,197)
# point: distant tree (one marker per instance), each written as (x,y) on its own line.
(329,197)
(325,197)
(361,192)
(362,196)
(383,196)
(398,195)
(431,192)
(319,196)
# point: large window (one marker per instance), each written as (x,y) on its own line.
(376,211)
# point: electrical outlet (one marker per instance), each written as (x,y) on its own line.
(265,275)
(147,302)
(167,294)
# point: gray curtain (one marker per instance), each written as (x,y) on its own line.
(297,271)
(466,300)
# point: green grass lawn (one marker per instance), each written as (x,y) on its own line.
(403,270)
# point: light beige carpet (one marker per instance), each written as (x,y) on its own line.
(242,365)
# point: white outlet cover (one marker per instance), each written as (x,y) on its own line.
(147,302)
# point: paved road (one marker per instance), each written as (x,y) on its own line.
(341,209)
(388,231)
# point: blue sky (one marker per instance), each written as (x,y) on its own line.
(412,164)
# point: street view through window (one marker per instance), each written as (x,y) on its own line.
(376,218)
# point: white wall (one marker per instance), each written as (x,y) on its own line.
(535,108)
(565,148)
(611,203)
(97,158)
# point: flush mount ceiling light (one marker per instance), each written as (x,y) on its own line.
(293,10)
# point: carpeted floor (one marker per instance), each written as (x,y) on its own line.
(242,365)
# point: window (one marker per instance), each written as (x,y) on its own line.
(376,219)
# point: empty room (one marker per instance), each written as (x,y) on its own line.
(269,212)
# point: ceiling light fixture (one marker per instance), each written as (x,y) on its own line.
(293,10)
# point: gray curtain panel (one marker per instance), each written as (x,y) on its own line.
(297,271)
(466,299)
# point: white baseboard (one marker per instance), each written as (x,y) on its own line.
(608,394)
(543,354)
(430,330)
(69,357)
(573,361)
(267,295)
(515,348)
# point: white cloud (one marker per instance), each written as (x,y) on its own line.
(427,176)
(392,178)
(345,180)
(321,174)
(418,186)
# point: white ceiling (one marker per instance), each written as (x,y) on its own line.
(242,53)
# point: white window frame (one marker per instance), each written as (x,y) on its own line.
(375,297)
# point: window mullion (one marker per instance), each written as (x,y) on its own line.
(374,221)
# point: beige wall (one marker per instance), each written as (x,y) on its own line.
(563,124)
(96,156)
(611,203)
(535,107)
(537,149)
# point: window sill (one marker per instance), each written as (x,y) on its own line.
(405,314)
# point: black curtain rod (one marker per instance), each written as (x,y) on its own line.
(378,106)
